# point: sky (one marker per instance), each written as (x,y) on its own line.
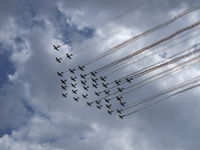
(34,115)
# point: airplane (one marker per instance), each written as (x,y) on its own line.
(99,106)
(85,96)
(123,103)
(69,56)
(75,91)
(76,99)
(64,87)
(63,81)
(98,102)
(121,116)
(103,78)
(60,74)
(119,111)
(56,47)
(108,106)
(83,76)
(72,70)
(119,98)
(105,85)
(93,73)
(58,59)
(107,100)
(95,85)
(73,85)
(110,111)
(117,82)
(73,78)
(97,93)
(64,95)
(86,88)
(120,89)
(89,103)
(94,80)
(107,92)
(83,82)
(129,79)
(81,68)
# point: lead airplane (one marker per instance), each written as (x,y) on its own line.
(56,47)
(58,59)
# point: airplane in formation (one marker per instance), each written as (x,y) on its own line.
(58,59)
(98,102)
(69,56)
(117,82)
(84,82)
(129,79)
(56,47)
(99,106)
(76,98)
(72,71)
(123,103)
(93,73)
(89,103)
(85,96)
(108,106)
(64,95)
(119,111)
(73,85)
(110,111)
(83,76)
(107,100)
(107,92)
(81,68)
(63,81)
(121,116)
(105,85)
(73,78)
(119,98)
(94,80)
(95,85)
(97,93)
(86,88)
(60,74)
(103,78)
(120,89)
(64,87)
(74,91)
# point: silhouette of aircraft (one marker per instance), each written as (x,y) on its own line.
(120,89)
(108,106)
(58,59)
(83,76)
(119,98)
(76,98)
(81,68)
(129,79)
(98,102)
(99,106)
(93,73)
(121,116)
(110,111)
(63,81)
(105,85)
(97,93)
(74,91)
(119,111)
(83,82)
(123,103)
(56,47)
(73,85)
(86,88)
(64,87)
(117,82)
(60,74)
(94,80)
(107,100)
(69,56)
(72,70)
(73,78)
(89,103)
(64,95)
(95,85)
(85,96)
(107,92)
(103,78)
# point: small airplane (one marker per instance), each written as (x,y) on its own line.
(107,100)
(63,81)
(119,98)
(73,78)
(86,88)
(56,47)
(110,111)
(120,89)
(64,95)
(76,99)
(69,56)
(95,85)
(73,85)
(123,103)
(85,96)
(108,106)
(107,92)
(83,82)
(117,82)
(75,91)
(94,80)
(64,87)
(81,68)
(60,74)
(89,103)
(98,102)
(121,116)
(97,93)
(105,85)
(72,70)
(103,78)
(99,106)
(93,73)
(58,59)
(129,79)
(83,76)
(119,111)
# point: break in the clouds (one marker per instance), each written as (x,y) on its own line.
(33,115)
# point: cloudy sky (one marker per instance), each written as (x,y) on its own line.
(34,116)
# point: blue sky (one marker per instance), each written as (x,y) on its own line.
(34,116)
